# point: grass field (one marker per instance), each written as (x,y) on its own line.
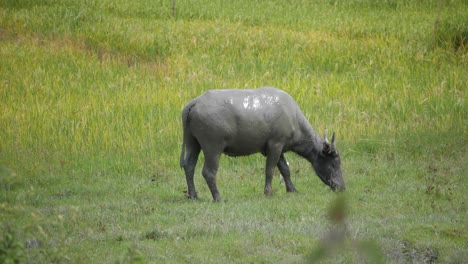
(91,94)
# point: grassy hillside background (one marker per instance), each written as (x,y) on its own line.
(90,99)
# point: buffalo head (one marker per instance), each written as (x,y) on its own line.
(328,165)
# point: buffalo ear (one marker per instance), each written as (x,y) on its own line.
(328,149)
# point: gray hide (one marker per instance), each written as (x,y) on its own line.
(244,122)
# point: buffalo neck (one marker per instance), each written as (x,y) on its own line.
(309,145)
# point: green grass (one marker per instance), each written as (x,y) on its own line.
(91,94)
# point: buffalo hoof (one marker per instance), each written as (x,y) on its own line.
(192,197)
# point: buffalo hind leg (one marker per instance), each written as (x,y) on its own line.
(210,168)
(193,150)
(284,170)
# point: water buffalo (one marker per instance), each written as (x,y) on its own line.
(244,122)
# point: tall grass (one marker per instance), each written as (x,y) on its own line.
(90,100)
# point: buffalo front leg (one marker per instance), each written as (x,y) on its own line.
(210,168)
(284,170)
(273,156)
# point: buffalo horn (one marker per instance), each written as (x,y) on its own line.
(333,146)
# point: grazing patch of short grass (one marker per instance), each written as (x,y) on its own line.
(91,94)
